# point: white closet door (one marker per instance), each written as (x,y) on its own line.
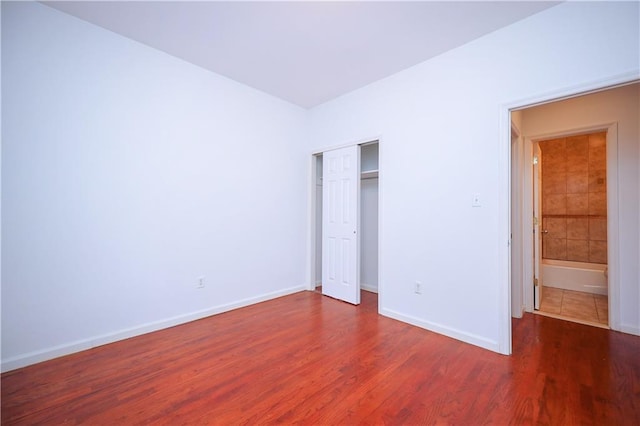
(340,224)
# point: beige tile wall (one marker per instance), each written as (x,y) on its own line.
(574,198)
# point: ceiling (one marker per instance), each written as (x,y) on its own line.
(302,51)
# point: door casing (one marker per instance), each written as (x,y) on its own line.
(505,264)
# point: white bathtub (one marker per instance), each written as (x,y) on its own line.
(577,276)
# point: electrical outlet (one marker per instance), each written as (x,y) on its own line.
(418,288)
(200,283)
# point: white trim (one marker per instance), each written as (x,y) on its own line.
(92,342)
(514,128)
(369,287)
(575,91)
(630,329)
(527,224)
(364,141)
(504,236)
(473,339)
(381,168)
(504,192)
(613,227)
(516,267)
(311,265)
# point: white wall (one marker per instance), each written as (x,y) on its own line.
(127,174)
(621,106)
(440,126)
(369,234)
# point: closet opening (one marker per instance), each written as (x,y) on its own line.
(335,260)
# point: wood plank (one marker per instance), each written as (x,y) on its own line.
(310,359)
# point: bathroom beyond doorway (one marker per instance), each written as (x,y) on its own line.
(574,227)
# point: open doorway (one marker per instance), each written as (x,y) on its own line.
(570,209)
(578,224)
(367,226)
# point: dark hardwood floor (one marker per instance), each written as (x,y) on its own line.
(310,359)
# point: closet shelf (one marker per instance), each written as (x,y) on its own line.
(369,174)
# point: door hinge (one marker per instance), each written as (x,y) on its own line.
(535,282)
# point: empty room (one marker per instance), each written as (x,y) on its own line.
(320,212)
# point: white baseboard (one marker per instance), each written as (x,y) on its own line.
(518,313)
(363,286)
(444,330)
(630,329)
(84,344)
(368,287)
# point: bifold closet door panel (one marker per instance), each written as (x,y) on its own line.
(341,224)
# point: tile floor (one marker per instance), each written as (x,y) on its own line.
(583,307)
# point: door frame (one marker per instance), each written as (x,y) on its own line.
(536,223)
(516,264)
(504,199)
(313,217)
